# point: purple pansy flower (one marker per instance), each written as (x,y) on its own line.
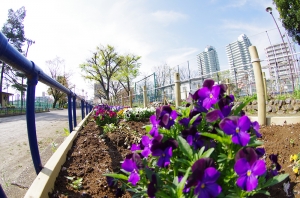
(248,173)
(209,93)
(204,177)
(226,104)
(275,167)
(207,187)
(154,130)
(131,164)
(135,147)
(166,116)
(238,128)
(260,152)
(248,153)
(147,143)
(164,156)
(184,122)
(214,115)
(255,126)
(163,150)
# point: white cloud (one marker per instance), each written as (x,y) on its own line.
(167,17)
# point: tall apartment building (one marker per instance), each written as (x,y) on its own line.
(239,60)
(281,66)
(208,62)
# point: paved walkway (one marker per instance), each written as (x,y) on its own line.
(16,167)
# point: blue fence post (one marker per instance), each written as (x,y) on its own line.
(82,109)
(30,117)
(70,112)
(86,108)
(74,110)
(2,194)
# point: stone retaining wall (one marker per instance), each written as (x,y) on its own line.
(288,106)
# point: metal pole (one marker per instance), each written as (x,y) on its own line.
(145,96)
(74,111)
(269,9)
(31,128)
(177,90)
(261,101)
(82,109)
(70,112)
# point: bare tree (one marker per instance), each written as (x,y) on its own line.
(55,68)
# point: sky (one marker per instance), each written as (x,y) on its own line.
(160,31)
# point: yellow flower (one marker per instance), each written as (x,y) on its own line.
(295,170)
(293,157)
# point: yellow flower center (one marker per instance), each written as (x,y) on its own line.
(202,185)
(248,172)
(237,130)
(210,95)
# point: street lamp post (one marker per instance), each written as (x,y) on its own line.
(269,9)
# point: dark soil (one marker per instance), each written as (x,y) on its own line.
(93,154)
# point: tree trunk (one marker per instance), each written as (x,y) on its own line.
(54,103)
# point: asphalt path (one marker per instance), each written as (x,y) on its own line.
(16,167)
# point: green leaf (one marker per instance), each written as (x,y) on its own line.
(180,186)
(185,147)
(254,142)
(238,109)
(175,181)
(207,153)
(212,136)
(275,180)
(193,119)
(117,176)
(148,128)
(263,192)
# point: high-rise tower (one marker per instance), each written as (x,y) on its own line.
(208,62)
(240,61)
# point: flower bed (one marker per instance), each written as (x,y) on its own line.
(207,150)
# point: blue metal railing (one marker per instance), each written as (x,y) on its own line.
(12,57)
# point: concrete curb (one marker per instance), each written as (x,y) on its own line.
(44,182)
(274,120)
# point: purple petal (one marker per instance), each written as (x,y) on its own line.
(174,115)
(215,91)
(168,152)
(228,126)
(134,178)
(165,119)
(185,122)
(226,110)
(146,152)
(214,115)
(248,153)
(213,189)
(203,93)
(241,138)
(241,167)
(157,152)
(259,168)
(153,120)
(135,147)
(260,152)
(242,182)
(146,141)
(210,175)
(207,103)
(189,139)
(153,132)
(209,83)
(244,123)
(128,165)
(252,183)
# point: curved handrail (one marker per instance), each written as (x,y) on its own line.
(14,58)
